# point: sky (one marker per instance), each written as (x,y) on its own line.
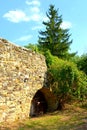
(21,21)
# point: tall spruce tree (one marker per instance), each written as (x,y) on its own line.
(55,38)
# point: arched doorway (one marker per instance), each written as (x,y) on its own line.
(38,104)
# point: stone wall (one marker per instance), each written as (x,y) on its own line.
(22,74)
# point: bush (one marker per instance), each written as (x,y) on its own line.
(33,47)
(66,80)
(82,63)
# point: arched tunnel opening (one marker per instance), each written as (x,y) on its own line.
(38,104)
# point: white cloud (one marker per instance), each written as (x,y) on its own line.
(16,16)
(37,27)
(33,2)
(32,14)
(36,17)
(24,38)
(34,9)
(66,25)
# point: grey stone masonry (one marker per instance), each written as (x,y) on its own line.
(22,74)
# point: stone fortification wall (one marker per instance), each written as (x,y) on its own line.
(22,74)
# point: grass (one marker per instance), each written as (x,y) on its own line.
(74,117)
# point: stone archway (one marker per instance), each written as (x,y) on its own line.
(38,104)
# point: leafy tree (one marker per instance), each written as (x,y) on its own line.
(82,63)
(55,38)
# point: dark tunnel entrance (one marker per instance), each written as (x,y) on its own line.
(38,104)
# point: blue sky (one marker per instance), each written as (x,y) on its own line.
(20,20)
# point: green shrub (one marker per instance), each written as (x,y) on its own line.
(66,80)
(33,47)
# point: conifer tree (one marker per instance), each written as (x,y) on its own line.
(55,38)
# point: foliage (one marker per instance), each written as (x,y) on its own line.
(81,79)
(33,47)
(55,38)
(66,80)
(82,63)
(50,59)
(75,59)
